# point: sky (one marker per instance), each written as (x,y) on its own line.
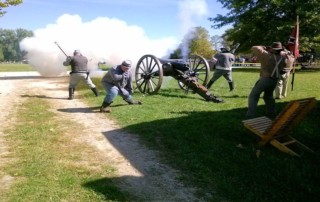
(109,30)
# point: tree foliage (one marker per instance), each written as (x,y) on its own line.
(7,3)
(9,44)
(261,22)
(217,42)
(196,41)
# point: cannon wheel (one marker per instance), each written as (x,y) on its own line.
(149,74)
(200,66)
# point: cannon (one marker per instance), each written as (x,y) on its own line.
(191,74)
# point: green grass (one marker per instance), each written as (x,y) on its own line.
(104,67)
(200,139)
(47,164)
(15,68)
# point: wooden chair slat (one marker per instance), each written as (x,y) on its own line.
(290,116)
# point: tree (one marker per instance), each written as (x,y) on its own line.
(216,42)
(196,41)
(265,21)
(1,54)
(7,3)
(20,35)
(219,42)
(9,43)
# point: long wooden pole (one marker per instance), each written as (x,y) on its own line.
(295,51)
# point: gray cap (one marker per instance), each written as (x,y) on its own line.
(76,52)
(126,63)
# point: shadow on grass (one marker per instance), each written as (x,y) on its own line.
(80,110)
(143,182)
(44,97)
(216,153)
(176,93)
(106,188)
(88,109)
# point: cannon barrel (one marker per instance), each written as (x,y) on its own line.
(172,67)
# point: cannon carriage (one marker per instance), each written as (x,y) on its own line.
(191,74)
(150,71)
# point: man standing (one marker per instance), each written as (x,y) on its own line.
(282,84)
(223,67)
(273,60)
(79,72)
(118,80)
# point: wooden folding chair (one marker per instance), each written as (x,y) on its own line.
(277,132)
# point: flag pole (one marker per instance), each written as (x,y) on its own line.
(296,42)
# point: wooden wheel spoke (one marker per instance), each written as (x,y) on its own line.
(149,74)
(200,67)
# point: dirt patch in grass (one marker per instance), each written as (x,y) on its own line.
(139,171)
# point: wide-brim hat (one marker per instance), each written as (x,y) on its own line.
(276,46)
(225,49)
(126,63)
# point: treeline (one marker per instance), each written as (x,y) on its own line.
(9,44)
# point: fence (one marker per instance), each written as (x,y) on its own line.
(246,64)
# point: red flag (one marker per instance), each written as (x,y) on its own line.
(293,42)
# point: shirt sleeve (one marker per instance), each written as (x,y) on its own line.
(68,61)
(290,61)
(258,50)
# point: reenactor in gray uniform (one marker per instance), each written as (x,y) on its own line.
(118,80)
(223,67)
(79,72)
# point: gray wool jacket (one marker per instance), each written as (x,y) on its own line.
(78,63)
(224,61)
(117,76)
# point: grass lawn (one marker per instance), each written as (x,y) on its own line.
(15,68)
(49,162)
(201,139)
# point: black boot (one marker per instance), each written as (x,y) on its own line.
(132,102)
(95,91)
(208,86)
(231,86)
(105,107)
(71,93)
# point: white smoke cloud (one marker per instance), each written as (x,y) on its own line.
(190,11)
(110,39)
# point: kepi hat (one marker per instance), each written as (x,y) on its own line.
(126,63)
(76,52)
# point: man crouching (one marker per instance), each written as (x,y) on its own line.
(118,80)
